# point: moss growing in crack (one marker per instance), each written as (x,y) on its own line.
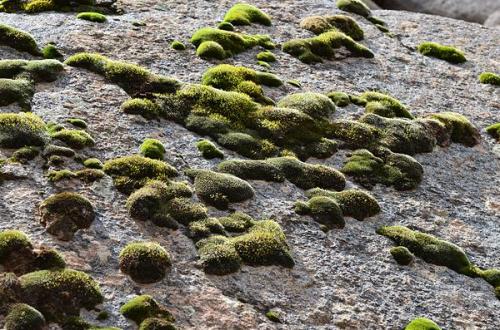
(252,170)
(209,150)
(220,189)
(402,255)
(446,53)
(64,213)
(266,56)
(19,40)
(245,14)
(489,78)
(143,107)
(315,49)
(143,307)
(384,105)
(76,139)
(422,323)
(315,105)
(494,131)
(354,6)
(145,262)
(460,128)
(340,99)
(77,122)
(322,24)
(132,172)
(18,91)
(92,17)
(25,154)
(93,163)
(177,45)
(22,317)
(18,130)
(152,148)
(323,210)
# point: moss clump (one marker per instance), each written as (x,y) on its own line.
(18,40)
(324,210)
(384,105)
(25,154)
(80,123)
(93,163)
(140,308)
(154,323)
(18,130)
(391,169)
(273,316)
(76,139)
(64,213)
(402,255)
(92,17)
(152,148)
(313,50)
(264,64)
(489,78)
(132,78)
(494,131)
(50,51)
(177,45)
(218,256)
(144,107)
(354,6)
(245,14)
(18,91)
(132,172)
(322,24)
(36,70)
(55,176)
(340,99)
(58,294)
(22,317)
(37,6)
(422,323)
(266,56)
(225,26)
(219,189)
(236,222)
(460,128)
(54,150)
(209,150)
(211,49)
(13,242)
(446,53)
(145,262)
(313,104)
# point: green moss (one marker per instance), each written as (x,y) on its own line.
(132,172)
(76,139)
(252,170)
(236,222)
(245,14)
(354,6)
(18,91)
(340,99)
(93,163)
(494,131)
(219,189)
(422,323)
(177,45)
(446,53)
(266,56)
(144,107)
(50,51)
(264,64)
(18,130)
(152,148)
(36,70)
(145,262)
(37,6)
(273,316)
(22,317)
(205,227)
(56,176)
(142,307)
(225,26)
(218,256)
(25,154)
(323,210)
(54,150)
(384,105)
(80,123)
(314,104)
(295,83)
(211,49)
(92,16)
(59,293)
(312,50)
(155,323)
(460,128)
(77,323)
(209,150)
(19,40)
(89,175)
(322,24)
(13,242)
(489,78)
(492,276)
(402,255)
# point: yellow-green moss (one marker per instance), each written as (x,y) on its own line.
(177,45)
(209,150)
(37,6)
(23,317)
(340,99)
(145,262)
(76,139)
(93,163)
(225,26)
(315,105)
(21,129)
(25,154)
(447,53)
(92,17)
(489,78)
(354,6)
(144,107)
(50,51)
(384,105)
(245,14)
(19,40)
(273,316)
(35,70)
(322,24)
(155,323)
(142,307)
(211,49)
(402,255)
(323,210)
(266,56)
(422,323)
(460,128)
(13,241)
(152,148)
(494,130)
(77,122)
(18,91)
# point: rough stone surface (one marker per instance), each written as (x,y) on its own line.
(493,19)
(345,279)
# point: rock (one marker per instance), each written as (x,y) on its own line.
(493,19)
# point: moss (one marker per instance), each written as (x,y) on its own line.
(76,139)
(142,307)
(494,131)
(50,51)
(252,170)
(314,104)
(102,316)
(492,276)
(37,6)
(446,53)
(245,14)
(273,316)
(489,78)
(219,189)
(211,49)
(145,262)
(93,163)
(264,64)
(55,161)
(218,256)
(295,83)
(236,222)
(460,128)
(20,130)
(22,316)
(322,24)
(89,175)
(209,150)
(64,213)
(154,323)
(132,172)
(225,26)
(16,245)
(177,45)
(312,50)
(340,99)
(92,16)
(384,105)
(80,123)
(144,107)
(152,148)
(244,144)
(204,228)
(25,154)
(59,293)
(422,323)
(36,70)
(48,259)
(354,6)
(55,150)
(18,91)
(323,210)
(77,323)
(19,40)
(402,255)
(132,78)
(266,56)
(55,176)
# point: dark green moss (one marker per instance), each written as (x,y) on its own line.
(93,163)
(152,148)
(489,78)
(266,56)
(494,131)
(422,323)
(218,256)
(37,70)
(384,105)
(77,139)
(322,24)
(245,14)
(209,150)
(460,128)
(447,53)
(340,99)
(225,26)
(18,130)
(77,122)
(89,175)
(177,45)
(402,255)
(92,17)
(244,144)
(142,307)
(12,243)
(155,323)
(313,104)
(50,51)
(145,262)
(19,40)
(354,6)
(55,176)
(23,317)
(25,154)
(18,91)
(323,210)
(55,150)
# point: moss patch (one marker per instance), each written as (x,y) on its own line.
(18,130)
(177,45)
(140,308)
(489,78)
(313,104)
(77,139)
(50,51)
(92,17)
(80,123)
(152,148)
(354,6)
(93,163)
(384,105)
(446,53)
(494,131)
(18,91)
(25,154)
(37,6)
(266,56)
(22,316)
(144,262)
(322,24)
(459,127)
(19,40)
(402,255)
(245,14)
(209,150)
(422,323)
(340,99)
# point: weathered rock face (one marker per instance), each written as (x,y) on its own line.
(472,11)
(343,279)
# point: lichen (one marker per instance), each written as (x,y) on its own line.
(92,17)
(489,78)
(209,150)
(446,53)
(145,262)
(152,148)
(245,14)
(322,24)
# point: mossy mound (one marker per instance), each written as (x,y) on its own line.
(220,189)
(77,122)
(402,255)
(141,308)
(209,150)
(340,99)
(19,40)
(25,154)
(384,105)
(19,130)
(152,148)
(354,6)
(38,6)
(22,317)
(132,172)
(77,139)
(231,42)
(55,150)
(489,78)
(324,210)
(315,105)
(459,127)
(322,24)
(245,14)
(391,169)
(145,262)
(93,163)
(77,323)
(37,70)
(134,79)
(422,323)
(446,53)
(92,17)
(50,51)
(64,213)
(87,175)
(315,49)
(143,107)
(18,91)
(494,131)
(177,45)
(266,56)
